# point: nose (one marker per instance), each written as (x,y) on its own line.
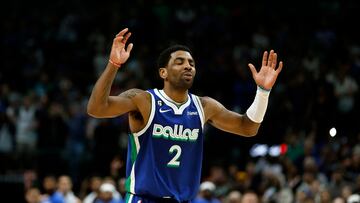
(188,68)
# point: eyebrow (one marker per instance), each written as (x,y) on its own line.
(182,59)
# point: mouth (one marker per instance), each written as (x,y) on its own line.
(188,76)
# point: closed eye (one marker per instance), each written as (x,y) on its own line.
(192,63)
(179,61)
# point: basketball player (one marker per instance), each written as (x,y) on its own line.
(166,125)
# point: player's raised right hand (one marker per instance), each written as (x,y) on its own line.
(119,54)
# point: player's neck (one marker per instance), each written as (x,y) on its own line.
(179,96)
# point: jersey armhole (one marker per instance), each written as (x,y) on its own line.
(151,117)
(200,109)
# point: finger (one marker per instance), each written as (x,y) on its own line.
(264,59)
(129,47)
(271,58)
(126,37)
(278,70)
(274,60)
(118,39)
(122,32)
(252,69)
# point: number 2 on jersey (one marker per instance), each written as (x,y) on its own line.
(174,162)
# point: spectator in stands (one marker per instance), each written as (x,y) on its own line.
(50,190)
(33,195)
(65,189)
(206,193)
(250,197)
(107,193)
(233,197)
(95,183)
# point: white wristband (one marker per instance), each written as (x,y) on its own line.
(256,111)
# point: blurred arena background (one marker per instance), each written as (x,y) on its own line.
(53,51)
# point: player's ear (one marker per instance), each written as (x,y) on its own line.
(163,73)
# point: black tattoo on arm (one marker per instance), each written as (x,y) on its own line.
(131,93)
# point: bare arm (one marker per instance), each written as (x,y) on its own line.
(101,104)
(220,117)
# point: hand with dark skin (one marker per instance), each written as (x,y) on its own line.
(119,54)
(268,73)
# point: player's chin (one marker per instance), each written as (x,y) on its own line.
(189,80)
(187,83)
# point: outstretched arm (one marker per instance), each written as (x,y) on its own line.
(249,123)
(101,104)
(220,117)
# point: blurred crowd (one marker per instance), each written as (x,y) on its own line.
(53,52)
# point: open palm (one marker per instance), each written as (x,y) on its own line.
(119,54)
(268,72)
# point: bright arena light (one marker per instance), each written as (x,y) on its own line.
(332,132)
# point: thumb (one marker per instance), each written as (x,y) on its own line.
(252,69)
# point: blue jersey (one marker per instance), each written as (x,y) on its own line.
(165,158)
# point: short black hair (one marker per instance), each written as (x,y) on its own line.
(164,56)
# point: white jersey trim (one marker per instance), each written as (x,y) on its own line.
(168,101)
(199,109)
(131,196)
(151,117)
(132,179)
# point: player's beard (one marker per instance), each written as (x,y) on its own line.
(186,84)
(182,84)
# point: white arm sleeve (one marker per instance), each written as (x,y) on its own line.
(257,109)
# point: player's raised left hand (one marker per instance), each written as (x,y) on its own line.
(268,72)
